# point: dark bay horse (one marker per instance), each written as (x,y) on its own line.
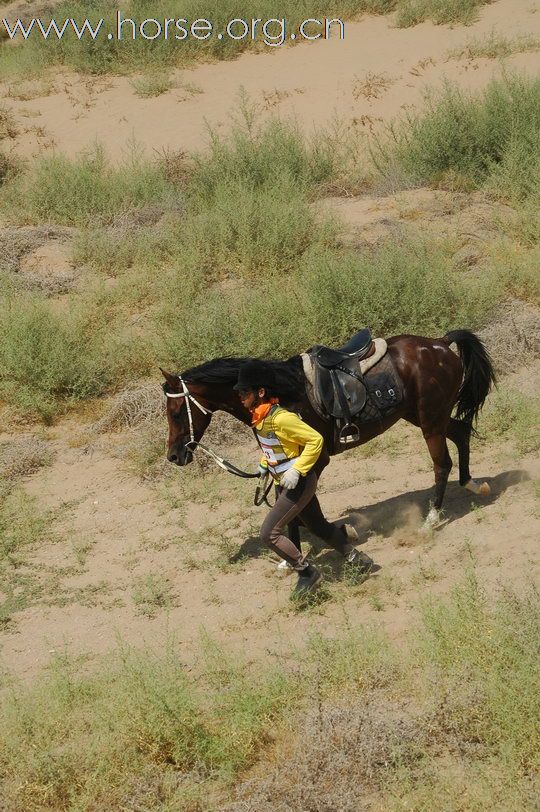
(435,381)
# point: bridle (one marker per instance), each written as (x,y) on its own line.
(194,444)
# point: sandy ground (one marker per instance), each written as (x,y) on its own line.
(114,530)
(218,577)
(318,83)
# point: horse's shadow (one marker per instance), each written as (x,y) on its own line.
(407,509)
(385,517)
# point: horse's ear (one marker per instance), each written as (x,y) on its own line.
(172,380)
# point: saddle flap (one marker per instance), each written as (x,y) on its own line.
(339,393)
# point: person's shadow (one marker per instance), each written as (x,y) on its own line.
(390,515)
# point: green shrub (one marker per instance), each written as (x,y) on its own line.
(412,12)
(47,356)
(21,523)
(85,190)
(126,56)
(474,136)
(262,155)
(510,413)
(492,658)
(143,732)
(401,287)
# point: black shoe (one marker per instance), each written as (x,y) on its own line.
(307,580)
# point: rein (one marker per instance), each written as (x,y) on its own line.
(194,444)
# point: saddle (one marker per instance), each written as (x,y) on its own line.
(340,391)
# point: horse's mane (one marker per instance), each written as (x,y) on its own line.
(289,374)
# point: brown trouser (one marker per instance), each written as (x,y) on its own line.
(299,502)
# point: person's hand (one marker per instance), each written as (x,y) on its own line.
(290,479)
(263,471)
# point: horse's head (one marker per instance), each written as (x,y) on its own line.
(186,422)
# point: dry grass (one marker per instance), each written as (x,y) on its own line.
(8,127)
(496,46)
(15,243)
(372,86)
(343,756)
(513,336)
(133,406)
(26,90)
(24,456)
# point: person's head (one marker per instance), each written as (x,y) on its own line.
(256,384)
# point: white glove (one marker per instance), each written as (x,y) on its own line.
(290,479)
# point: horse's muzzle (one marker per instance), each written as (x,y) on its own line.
(180,455)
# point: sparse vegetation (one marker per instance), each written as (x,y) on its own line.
(496,46)
(372,86)
(180,259)
(127,56)
(152,593)
(156,732)
(8,128)
(247,217)
(47,357)
(23,455)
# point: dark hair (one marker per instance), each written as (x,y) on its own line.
(288,375)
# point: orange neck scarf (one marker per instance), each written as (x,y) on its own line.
(261,411)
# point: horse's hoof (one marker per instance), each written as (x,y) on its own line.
(478,488)
(432,520)
(350,532)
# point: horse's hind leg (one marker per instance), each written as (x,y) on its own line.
(460,434)
(294,532)
(442,465)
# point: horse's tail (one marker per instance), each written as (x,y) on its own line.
(478,374)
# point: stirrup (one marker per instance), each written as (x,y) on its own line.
(353,435)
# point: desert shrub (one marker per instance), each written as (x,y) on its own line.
(452,714)
(47,356)
(9,167)
(252,230)
(437,731)
(516,269)
(86,189)
(8,127)
(114,251)
(510,413)
(412,12)
(114,56)
(487,664)
(23,455)
(147,715)
(474,136)
(260,155)
(401,287)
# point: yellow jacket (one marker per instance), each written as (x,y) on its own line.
(288,442)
